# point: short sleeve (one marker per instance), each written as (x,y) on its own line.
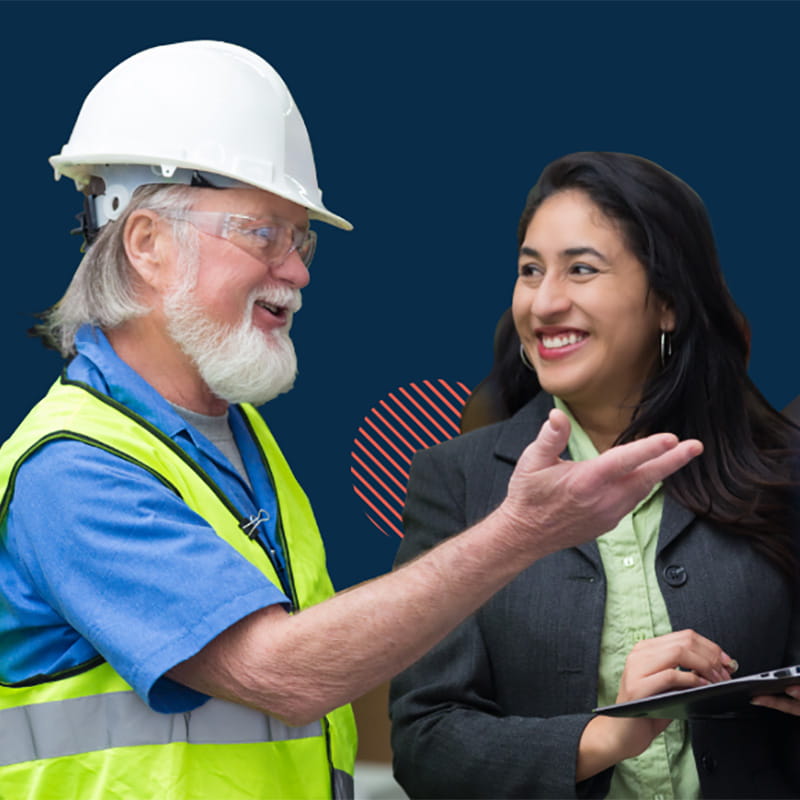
(124,564)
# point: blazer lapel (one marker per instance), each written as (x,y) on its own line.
(516,434)
(675,518)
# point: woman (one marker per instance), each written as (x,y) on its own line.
(626,324)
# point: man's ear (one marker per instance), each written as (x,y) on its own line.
(149,247)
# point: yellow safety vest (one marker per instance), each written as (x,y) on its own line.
(84,734)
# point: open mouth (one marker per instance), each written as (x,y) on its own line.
(275,310)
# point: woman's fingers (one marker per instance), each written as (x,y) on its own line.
(789,702)
(678,660)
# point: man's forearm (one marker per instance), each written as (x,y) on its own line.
(297,667)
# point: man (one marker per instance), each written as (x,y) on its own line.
(167,627)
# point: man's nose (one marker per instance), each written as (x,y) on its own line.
(292,271)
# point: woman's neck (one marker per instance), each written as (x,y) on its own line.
(602,424)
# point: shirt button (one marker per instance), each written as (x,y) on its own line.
(629,561)
(675,575)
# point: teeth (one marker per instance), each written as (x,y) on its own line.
(268,306)
(551,342)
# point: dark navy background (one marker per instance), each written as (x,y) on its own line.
(430,121)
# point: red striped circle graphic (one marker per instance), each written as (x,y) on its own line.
(408,419)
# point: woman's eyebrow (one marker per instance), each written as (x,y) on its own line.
(582,251)
(570,251)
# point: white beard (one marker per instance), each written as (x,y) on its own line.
(239,363)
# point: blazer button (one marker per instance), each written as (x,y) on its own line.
(675,575)
(708,762)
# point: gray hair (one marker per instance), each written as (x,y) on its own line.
(103,290)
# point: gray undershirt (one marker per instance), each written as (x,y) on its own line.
(218,431)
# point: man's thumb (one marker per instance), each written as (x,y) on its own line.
(548,446)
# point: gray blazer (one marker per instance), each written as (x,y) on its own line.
(497,709)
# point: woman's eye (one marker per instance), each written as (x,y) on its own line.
(582,269)
(530,271)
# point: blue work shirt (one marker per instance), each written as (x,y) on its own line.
(97,556)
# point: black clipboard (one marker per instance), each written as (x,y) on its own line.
(722,700)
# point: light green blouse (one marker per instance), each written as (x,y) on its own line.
(635,610)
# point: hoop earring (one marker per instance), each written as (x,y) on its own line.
(665,347)
(524,358)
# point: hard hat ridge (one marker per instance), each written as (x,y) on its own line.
(170,112)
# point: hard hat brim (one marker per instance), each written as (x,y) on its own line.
(78,167)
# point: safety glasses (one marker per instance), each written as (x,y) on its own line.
(271,241)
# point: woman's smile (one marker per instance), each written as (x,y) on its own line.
(553,343)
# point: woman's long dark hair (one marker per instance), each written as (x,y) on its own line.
(742,481)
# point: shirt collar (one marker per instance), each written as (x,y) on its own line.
(98,365)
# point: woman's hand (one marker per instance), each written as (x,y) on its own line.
(679,660)
(789,702)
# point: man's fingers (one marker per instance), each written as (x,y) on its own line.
(576,501)
(622,476)
(660,467)
(653,458)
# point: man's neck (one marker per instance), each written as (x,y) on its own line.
(143,346)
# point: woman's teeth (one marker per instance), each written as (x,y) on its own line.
(562,340)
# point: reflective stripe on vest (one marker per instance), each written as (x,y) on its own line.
(90,729)
(64,728)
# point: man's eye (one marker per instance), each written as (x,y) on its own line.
(263,235)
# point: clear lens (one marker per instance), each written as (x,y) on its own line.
(271,241)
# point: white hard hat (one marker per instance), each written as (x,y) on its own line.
(202,113)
